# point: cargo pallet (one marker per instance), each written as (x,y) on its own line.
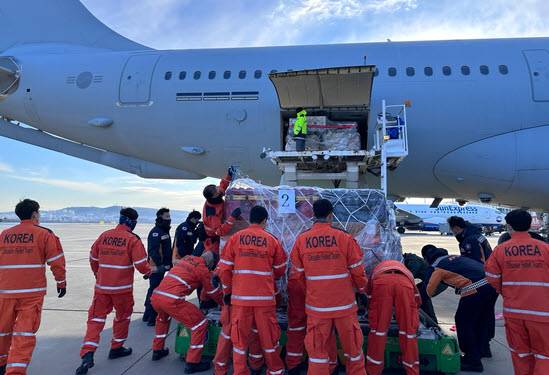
(439,353)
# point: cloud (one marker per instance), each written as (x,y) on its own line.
(5,168)
(81,186)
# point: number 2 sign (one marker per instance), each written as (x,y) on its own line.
(286,201)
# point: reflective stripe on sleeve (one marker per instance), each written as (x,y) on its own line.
(226,262)
(355,358)
(90,343)
(252,272)
(373,360)
(277,372)
(169,295)
(106,287)
(299,269)
(179,279)
(17,364)
(493,275)
(411,365)
(60,281)
(253,298)
(296,328)
(115,266)
(94,259)
(328,277)
(59,256)
(541,356)
(99,320)
(119,340)
(196,346)
(199,324)
(161,336)
(354,265)
(318,360)
(380,333)
(213,291)
(239,351)
(292,354)
(525,283)
(140,261)
(2,334)
(409,336)
(256,356)
(13,291)
(225,336)
(17,266)
(279,265)
(528,312)
(333,308)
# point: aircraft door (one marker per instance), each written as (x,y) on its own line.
(538,64)
(136,79)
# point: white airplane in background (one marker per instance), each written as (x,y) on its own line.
(477,129)
(427,218)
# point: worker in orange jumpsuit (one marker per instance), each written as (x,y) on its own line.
(224,348)
(329,262)
(24,251)
(519,270)
(168,300)
(213,213)
(113,257)
(297,327)
(392,286)
(251,262)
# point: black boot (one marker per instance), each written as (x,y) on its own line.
(191,368)
(159,354)
(486,352)
(2,370)
(87,363)
(259,371)
(469,366)
(146,315)
(119,352)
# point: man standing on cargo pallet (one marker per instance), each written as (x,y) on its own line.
(472,243)
(251,262)
(186,235)
(159,246)
(169,301)
(475,314)
(25,249)
(300,129)
(519,270)
(329,262)
(213,213)
(113,257)
(392,286)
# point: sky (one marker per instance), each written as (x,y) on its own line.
(58,181)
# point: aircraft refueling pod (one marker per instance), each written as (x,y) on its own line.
(10,72)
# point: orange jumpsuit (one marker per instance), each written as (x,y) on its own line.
(213,217)
(251,262)
(519,270)
(25,249)
(168,300)
(391,287)
(329,261)
(113,257)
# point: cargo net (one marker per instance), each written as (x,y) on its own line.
(364,213)
(326,135)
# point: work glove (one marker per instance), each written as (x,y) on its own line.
(61,292)
(146,276)
(216,281)
(227,300)
(231,171)
(167,267)
(236,213)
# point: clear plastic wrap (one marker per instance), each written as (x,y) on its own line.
(326,135)
(364,213)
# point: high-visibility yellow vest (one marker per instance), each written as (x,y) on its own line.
(300,126)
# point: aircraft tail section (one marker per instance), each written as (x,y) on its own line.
(56,21)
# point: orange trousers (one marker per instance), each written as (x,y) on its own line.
(224,349)
(393,290)
(186,313)
(19,322)
(529,344)
(320,337)
(263,318)
(102,305)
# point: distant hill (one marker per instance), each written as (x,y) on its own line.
(95,215)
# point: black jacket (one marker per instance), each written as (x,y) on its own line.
(159,247)
(473,244)
(186,235)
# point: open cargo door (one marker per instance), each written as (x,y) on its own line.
(325,89)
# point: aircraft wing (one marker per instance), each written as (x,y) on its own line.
(404,217)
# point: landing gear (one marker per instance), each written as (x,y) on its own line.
(401,230)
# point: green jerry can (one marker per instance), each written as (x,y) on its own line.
(438,353)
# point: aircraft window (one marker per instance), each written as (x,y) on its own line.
(392,72)
(428,71)
(465,70)
(503,69)
(211,74)
(410,72)
(258,74)
(227,74)
(197,74)
(446,70)
(484,70)
(168,76)
(182,75)
(242,74)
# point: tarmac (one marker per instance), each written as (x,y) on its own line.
(64,320)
